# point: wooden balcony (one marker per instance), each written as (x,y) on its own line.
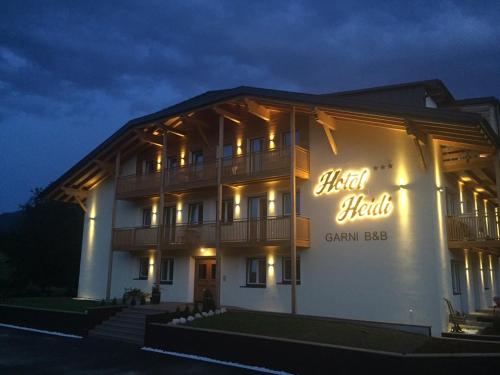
(238,233)
(141,238)
(264,165)
(138,185)
(191,176)
(466,231)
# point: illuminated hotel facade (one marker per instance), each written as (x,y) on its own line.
(396,195)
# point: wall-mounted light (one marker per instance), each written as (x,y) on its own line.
(440,189)
(202,250)
(403,187)
(91,217)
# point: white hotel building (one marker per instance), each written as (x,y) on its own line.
(396,187)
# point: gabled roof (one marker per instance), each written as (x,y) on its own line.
(329,101)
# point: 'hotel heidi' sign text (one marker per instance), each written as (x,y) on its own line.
(356,205)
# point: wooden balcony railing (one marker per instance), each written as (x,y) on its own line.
(247,232)
(138,185)
(190,176)
(266,164)
(135,238)
(262,165)
(473,228)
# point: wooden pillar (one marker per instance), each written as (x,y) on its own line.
(218,249)
(113,223)
(159,212)
(497,181)
(293,215)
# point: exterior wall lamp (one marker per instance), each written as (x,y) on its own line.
(440,189)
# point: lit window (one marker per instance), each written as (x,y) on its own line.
(143,268)
(256,272)
(167,270)
(287,270)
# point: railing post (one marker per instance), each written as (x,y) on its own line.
(293,215)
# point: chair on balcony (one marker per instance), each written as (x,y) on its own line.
(455,317)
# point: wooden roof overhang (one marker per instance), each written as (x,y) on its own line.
(467,131)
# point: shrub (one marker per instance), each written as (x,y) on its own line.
(103,303)
(196,309)
(143,299)
(187,311)
(113,301)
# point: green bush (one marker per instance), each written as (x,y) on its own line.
(113,301)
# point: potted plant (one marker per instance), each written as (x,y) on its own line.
(155,295)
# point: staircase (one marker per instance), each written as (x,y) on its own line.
(128,325)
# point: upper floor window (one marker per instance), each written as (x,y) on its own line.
(148,166)
(195,213)
(172,162)
(287,139)
(197,157)
(147,217)
(287,204)
(227,211)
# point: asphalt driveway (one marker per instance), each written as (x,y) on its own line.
(36,353)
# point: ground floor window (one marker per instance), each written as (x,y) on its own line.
(486,277)
(287,270)
(455,277)
(143,268)
(167,270)
(256,272)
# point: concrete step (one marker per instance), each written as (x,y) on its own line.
(123,325)
(119,331)
(118,337)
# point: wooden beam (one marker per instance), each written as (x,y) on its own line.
(331,141)
(324,119)
(464,145)
(462,165)
(108,167)
(144,137)
(229,115)
(80,202)
(419,140)
(202,133)
(258,110)
(75,192)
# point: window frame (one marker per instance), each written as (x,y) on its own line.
(284,261)
(261,262)
(144,259)
(284,200)
(455,277)
(147,214)
(200,213)
(170,270)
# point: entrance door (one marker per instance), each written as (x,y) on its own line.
(169,222)
(256,149)
(257,215)
(205,278)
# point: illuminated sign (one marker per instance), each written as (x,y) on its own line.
(354,206)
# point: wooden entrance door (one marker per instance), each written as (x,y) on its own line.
(205,279)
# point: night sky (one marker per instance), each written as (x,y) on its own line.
(72,73)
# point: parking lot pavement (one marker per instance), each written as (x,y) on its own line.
(35,353)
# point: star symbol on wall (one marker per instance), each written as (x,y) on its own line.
(375,168)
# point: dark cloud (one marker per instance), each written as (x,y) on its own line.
(72,72)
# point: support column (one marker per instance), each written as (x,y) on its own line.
(159,211)
(293,215)
(113,223)
(218,250)
(496,161)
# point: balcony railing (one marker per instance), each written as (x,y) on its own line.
(190,176)
(247,232)
(261,165)
(266,164)
(138,185)
(135,238)
(473,228)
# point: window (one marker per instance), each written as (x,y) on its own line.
(146,217)
(197,157)
(227,211)
(227,155)
(148,166)
(287,139)
(195,213)
(172,162)
(256,272)
(486,278)
(287,270)
(167,270)
(143,268)
(455,277)
(287,209)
